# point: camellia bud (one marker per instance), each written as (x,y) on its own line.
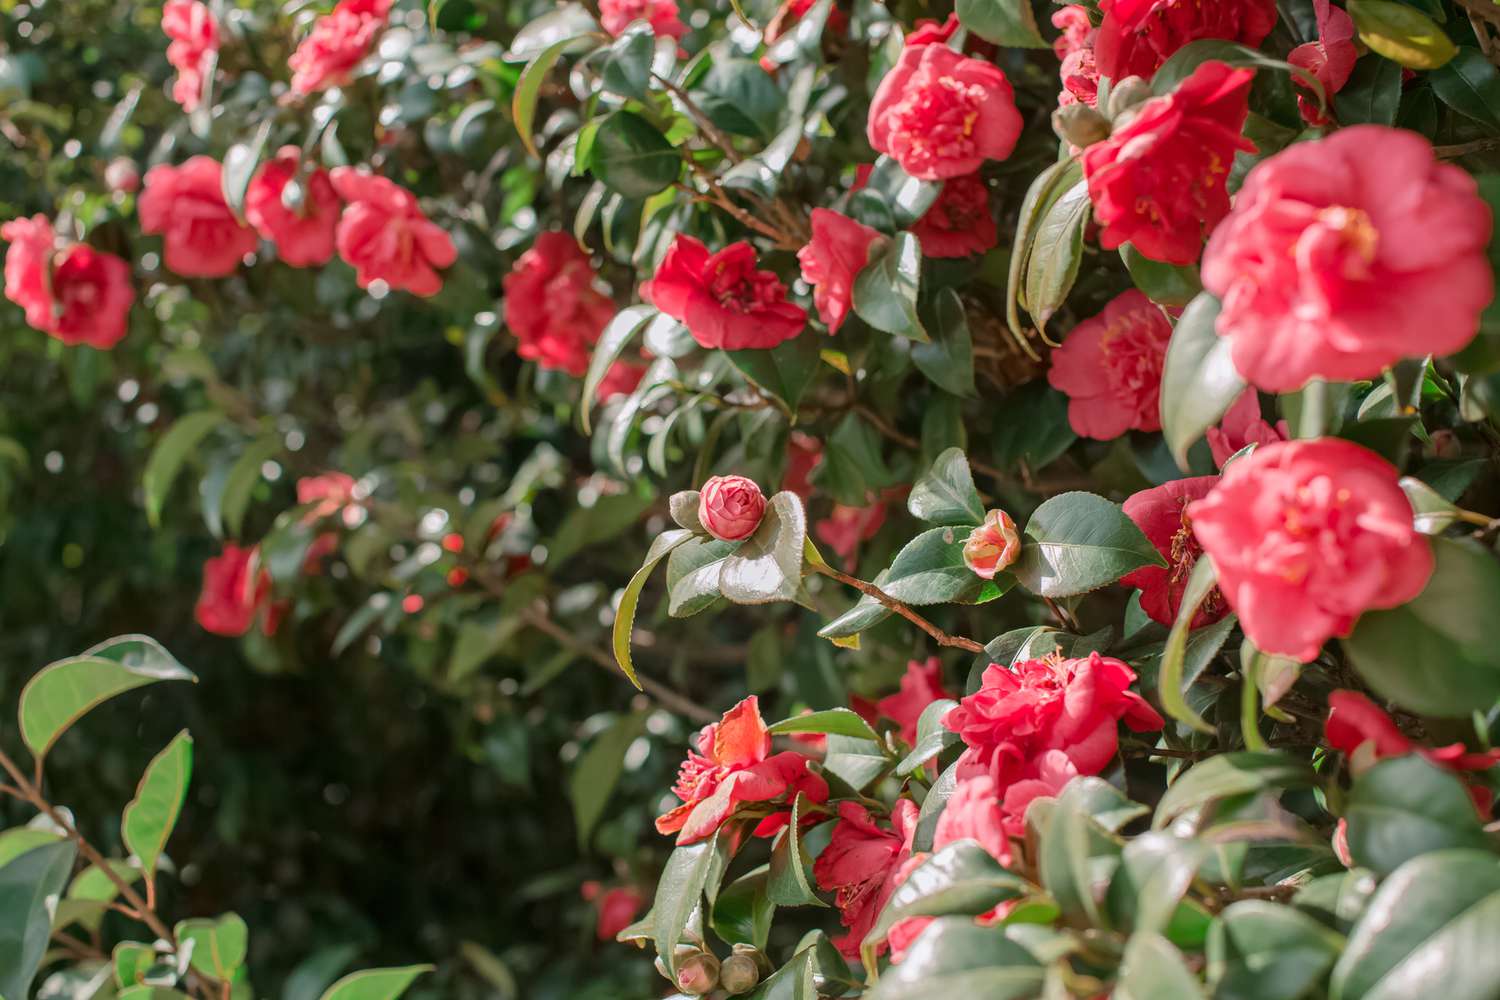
(698,974)
(739,974)
(1127,95)
(730,507)
(122,175)
(761,959)
(1080,125)
(992,546)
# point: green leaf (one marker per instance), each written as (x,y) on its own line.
(788,879)
(1154,970)
(678,893)
(1470,85)
(1040,196)
(529,88)
(598,771)
(932,736)
(1155,871)
(956,957)
(740,97)
(1199,381)
(1373,94)
(1433,514)
(131,960)
(240,162)
(1165,284)
(150,817)
(26,885)
(1404,807)
(885,291)
(1401,33)
(905,197)
(1056,253)
(1010,23)
(1430,928)
(618,332)
(866,614)
(1078,856)
(565,20)
(1265,951)
(375,984)
(945,494)
(1230,775)
(243,476)
(1337,900)
(1446,629)
(1079,542)
(832,720)
(768,566)
(62,692)
(930,569)
(627,67)
(632,157)
(854,761)
(962,878)
(1169,685)
(786,371)
(169,455)
(625,614)
(742,914)
(948,358)
(932,807)
(218,945)
(852,463)
(693,575)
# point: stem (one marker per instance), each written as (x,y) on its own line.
(1463,149)
(870,590)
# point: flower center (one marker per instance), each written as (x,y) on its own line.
(744,291)
(1354,228)
(937,120)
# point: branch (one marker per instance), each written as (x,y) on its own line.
(1463,149)
(870,590)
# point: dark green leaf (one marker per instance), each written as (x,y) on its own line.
(1174,656)
(617,334)
(789,881)
(786,371)
(529,88)
(1404,807)
(1373,94)
(768,565)
(627,68)
(1044,191)
(743,911)
(1155,871)
(1154,970)
(1078,542)
(885,291)
(962,878)
(26,883)
(1199,381)
(955,957)
(678,894)
(1166,284)
(598,771)
(1259,950)
(1056,253)
(930,569)
(946,493)
(948,358)
(1010,23)
(1470,85)
(1230,775)
(631,157)
(625,615)
(1078,855)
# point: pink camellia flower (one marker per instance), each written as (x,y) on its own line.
(921,685)
(304,237)
(336,44)
(1161,514)
(616,907)
(1346,254)
(803,453)
(730,507)
(1159,182)
(1330,59)
(385,236)
(235,590)
(846,527)
(1137,36)
(1110,368)
(734,764)
(201,238)
(1075,47)
(940,114)
(839,250)
(331,491)
(77,294)
(1354,720)
(1242,425)
(974,812)
(617,15)
(959,222)
(993,546)
(861,866)
(122,176)
(552,306)
(1021,712)
(1308,535)
(194,46)
(725,302)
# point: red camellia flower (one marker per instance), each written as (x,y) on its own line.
(336,44)
(921,685)
(385,236)
(552,306)
(77,294)
(1330,59)
(616,907)
(803,453)
(1347,254)
(862,866)
(1354,720)
(235,589)
(722,298)
(617,15)
(1021,712)
(1075,47)
(1110,367)
(733,764)
(846,527)
(1159,181)
(1137,36)
(1161,514)
(194,46)
(993,546)
(304,236)
(839,250)
(940,114)
(331,491)
(1242,425)
(730,507)
(201,238)
(1308,535)
(620,380)
(959,222)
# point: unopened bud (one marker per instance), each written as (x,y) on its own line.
(761,959)
(1126,96)
(698,974)
(739,974)
(1080,125)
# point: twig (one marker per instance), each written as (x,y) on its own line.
(1064,618)
(870,590)
(1465,148)
(700,119)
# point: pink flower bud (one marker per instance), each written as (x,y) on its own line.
(122,176)
(698,974)
(730,507)
(993,545)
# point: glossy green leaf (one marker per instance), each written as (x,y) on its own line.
(1052,265)
(1010,23)
(375,984)
(598,771)
(743,911)
(1165,284)
(1155,871)
(1401,33)
(1230,775)
(1199,381)
(632,157)
(948,358)
(693,572)
(885,291)
(1048,186)
(768,565)
(1200,583)
(150,817)
(627,67)
(1259,950)
(618,333)
(962,878)
(956,957)
(624,624)
(789,878)
(219,945)
(240,163)
(786,371)
(529,88)
(1078,856)
(678,893)
(26,885)
(1153,969)
(856,762)
(1373,94)
(170,453)
(62,692)
(1404,807)
(1470,85)
(930,569)
(945,493)
(932,736)
(832,720)
(1079,542)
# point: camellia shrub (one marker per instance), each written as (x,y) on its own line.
(1063,437)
